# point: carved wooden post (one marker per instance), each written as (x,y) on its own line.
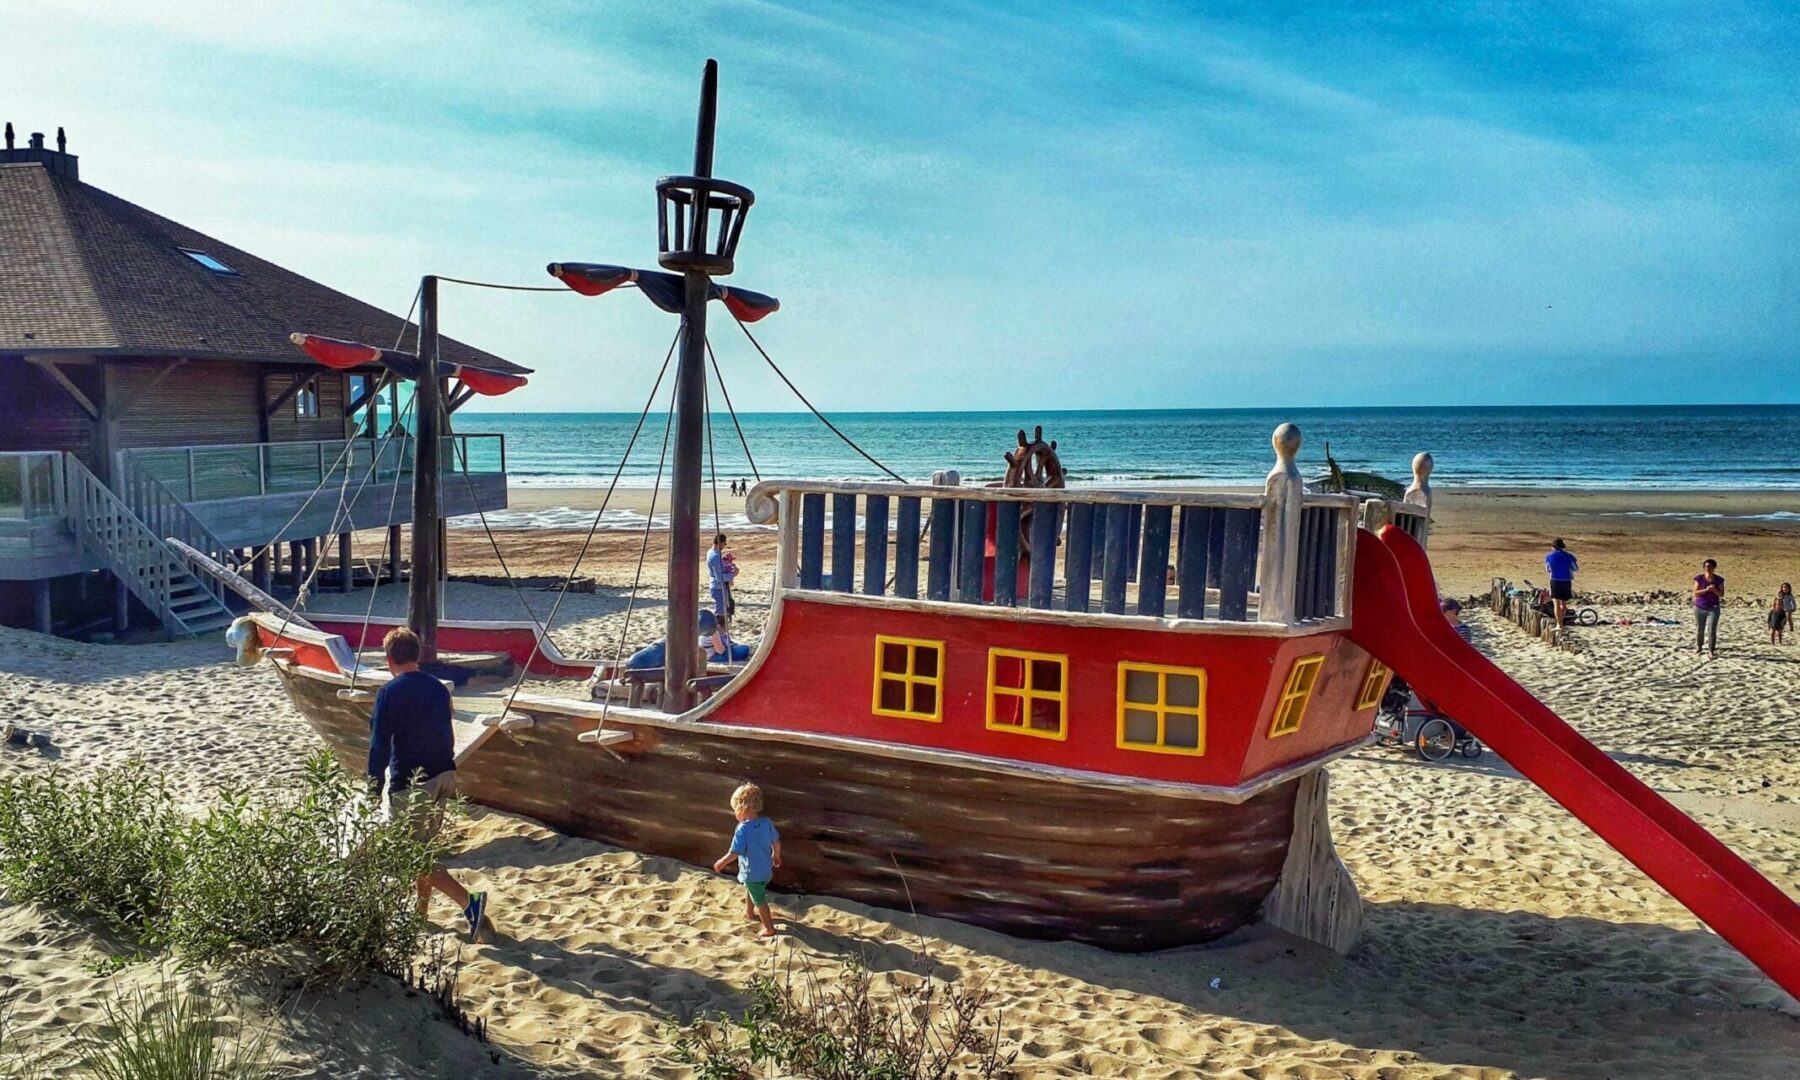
(1279,564)
(1375,514)
(1419,494)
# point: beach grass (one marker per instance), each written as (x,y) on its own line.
(311,880)
(848,1025)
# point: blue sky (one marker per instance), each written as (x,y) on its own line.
(1003,205)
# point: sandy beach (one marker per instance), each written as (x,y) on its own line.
(1503,939)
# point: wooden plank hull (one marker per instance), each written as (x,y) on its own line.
(1034,857)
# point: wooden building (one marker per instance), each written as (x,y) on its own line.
(148,389)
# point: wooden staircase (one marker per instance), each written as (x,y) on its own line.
(109,529)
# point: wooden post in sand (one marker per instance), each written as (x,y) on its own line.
(1283,492)
(346,572)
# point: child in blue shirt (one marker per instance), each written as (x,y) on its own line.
(757,848)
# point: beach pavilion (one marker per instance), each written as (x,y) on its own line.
(149,389)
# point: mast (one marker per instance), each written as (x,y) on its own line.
(679,661)
(423,593)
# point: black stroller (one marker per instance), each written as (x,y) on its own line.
(1413,722)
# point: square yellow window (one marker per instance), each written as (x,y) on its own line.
(1162,709)
(1296,695)
(1028,693)
(1373,686)
(909,678)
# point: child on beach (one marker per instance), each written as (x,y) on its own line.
(1777,620)
(757,848)
(1785,597)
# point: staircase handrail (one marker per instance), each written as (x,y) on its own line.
(164,512)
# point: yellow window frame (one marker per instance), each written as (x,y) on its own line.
(1296,695)
(1027,695)
(910,678)
(1162,709)
(1374,685)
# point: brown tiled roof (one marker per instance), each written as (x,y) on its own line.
(82,270)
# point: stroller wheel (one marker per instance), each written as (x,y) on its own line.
(1471,748)
(1435,739)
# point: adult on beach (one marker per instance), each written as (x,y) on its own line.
(1709,593)
(719,568)
(411,735)
(1561,565)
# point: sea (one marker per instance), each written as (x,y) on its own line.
(1695,447)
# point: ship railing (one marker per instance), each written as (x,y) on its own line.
(1161,554)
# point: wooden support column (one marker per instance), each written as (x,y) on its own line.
(121,605)
(393,554)
(265,574)
(346,570)
(40,602)
(293,569)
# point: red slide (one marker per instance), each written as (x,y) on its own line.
(1396,619)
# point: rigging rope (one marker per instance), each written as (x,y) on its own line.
(848,441)
(712,463)
(405,325)
(592,529)
(643,552)
(745,443)
(509,288)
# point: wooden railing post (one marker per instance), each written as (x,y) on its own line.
(1278,565)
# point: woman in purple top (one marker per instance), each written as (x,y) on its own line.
(1709,590)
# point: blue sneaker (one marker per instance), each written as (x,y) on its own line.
(480,929)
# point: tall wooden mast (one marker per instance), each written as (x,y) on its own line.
(423,594)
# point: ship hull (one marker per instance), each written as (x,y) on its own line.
(1114,866)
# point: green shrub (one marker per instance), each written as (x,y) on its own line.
(105,848)
(174,1033)
(845,1028)
(318,870)
(311,880)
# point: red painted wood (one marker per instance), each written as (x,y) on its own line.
(515,641)
(819,677)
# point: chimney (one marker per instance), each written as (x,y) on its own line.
(59,161)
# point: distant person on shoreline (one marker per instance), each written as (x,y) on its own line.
(1561,564)
(1709,593)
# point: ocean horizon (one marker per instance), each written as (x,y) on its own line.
(1677,447)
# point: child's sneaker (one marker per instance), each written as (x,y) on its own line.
(481,929)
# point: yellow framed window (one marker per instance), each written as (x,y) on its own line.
(909,678)
(1296,695)
(1373,686)
(1028,693)
(1162,709)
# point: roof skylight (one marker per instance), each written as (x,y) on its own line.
(207,261)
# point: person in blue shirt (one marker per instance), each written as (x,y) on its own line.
(412,751)
(721,574)
(1561,565)
(756,847)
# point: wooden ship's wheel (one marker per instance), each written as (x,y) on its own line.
(1034,464)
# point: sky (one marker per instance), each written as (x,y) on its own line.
(976,206)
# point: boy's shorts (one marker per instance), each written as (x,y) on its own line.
(759,892)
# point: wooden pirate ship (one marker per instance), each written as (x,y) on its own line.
(1082,713)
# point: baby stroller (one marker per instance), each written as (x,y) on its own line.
(1420,726)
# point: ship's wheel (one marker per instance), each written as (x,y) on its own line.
(1034,464)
